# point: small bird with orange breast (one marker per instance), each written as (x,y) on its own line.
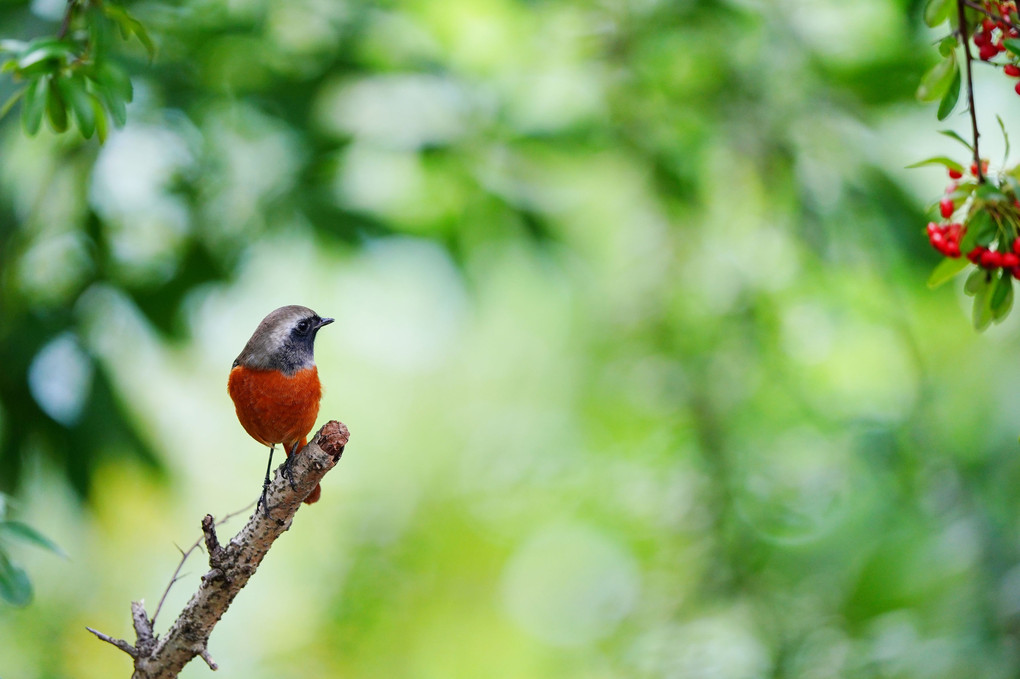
(275,386)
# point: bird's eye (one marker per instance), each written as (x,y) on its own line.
(303,326)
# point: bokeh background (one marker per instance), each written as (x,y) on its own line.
(633,341)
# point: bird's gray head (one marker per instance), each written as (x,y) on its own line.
(284,341)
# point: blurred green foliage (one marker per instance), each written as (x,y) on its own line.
(633,341)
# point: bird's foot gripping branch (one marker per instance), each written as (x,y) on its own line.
(230,565)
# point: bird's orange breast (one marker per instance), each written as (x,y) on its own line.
(273,407)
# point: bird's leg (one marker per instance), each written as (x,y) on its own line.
(265,484)
(285,469)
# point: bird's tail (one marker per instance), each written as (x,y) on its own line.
(317,491)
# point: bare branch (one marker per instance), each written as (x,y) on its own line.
(231,565)
(204,653)
(119,643)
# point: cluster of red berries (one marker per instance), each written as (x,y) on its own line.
(946,239)
(990,34)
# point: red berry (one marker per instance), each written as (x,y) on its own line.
(988,25)
(987,51)
(990,259)
(954,174)
(953,249)
(1016,88)
(933,227)
(981,38)
(1016,272)
(946,207)
(1016,246)
(1012,70)
(975,254)
(1009,260)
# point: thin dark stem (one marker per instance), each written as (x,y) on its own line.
(66,23)
(965,39)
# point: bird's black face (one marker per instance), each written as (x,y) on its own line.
(297,350)
(307,327)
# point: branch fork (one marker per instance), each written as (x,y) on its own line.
(230,566)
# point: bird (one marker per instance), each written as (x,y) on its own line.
(275,386)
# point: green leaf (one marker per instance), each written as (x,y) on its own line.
(102,129)
(116,80)
(980,231)
(35,103)
(976,281)
(937,11)
(41,50)
(936,81)
(15,587)
(990,193)
(957,137)
(129,26)
(938,160)
(143,37)
(1002,297)
(56,110)
(11,101)
(950,98)
(1005,138)
(946,269)
(1012,45)
(947,45)
(73,91)
(981,313)
(26,533)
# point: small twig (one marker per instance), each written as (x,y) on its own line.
(186,553)
(965,39)
(204,654)
(119,643)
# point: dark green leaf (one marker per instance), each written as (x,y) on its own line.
(25,533)
(946,269)
(56,110)
(116,80)
(15,587)
(938,160)
(937,11)
(981,314)
(947,45)
(990,193)
(980,231)
(41,50)
(950,98)
(35,103)
(1002,297)
(936,81)
(976,281)
(102,129)
(1013,45)
(73,91)
(957,137)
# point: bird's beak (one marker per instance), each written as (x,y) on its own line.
(324,321)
